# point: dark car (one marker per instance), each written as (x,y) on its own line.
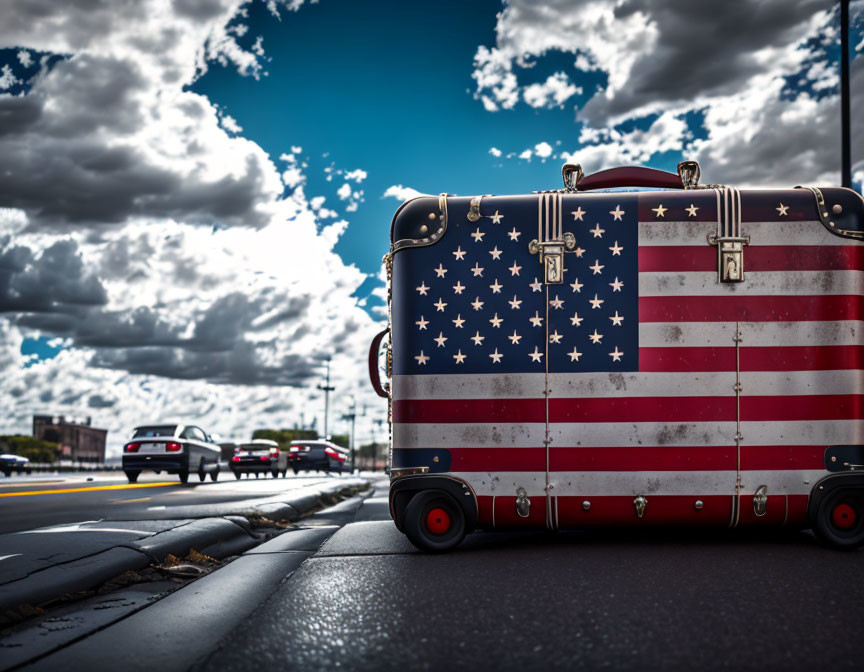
(317,455)
(259,456)
(10,463)
(174,449)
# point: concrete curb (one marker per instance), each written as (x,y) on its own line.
(218,537)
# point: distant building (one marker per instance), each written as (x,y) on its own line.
(78,441)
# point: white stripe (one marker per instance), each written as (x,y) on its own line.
(593,385)
(761,233)
(774,334)
(603,434)
(647,483)
(758,283)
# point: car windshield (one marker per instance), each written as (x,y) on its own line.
(162,430)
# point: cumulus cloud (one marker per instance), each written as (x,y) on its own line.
(400,193)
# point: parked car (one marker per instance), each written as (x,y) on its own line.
(317,455)
(259,456)
(174,449)
(10,463)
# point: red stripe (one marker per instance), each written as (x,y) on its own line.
(767,458)
(754,358)
(750,308)
(674,259)
(630,409)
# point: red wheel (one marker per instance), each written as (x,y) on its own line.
(843,516)
(438,521)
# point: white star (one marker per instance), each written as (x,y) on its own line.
(441,271)
(477,338)
(576,320)
(422,323)
(617,319)
(459,357)
(597,267)
(595,337)
(660,210)
(597,231)
(495,252)
(478,235)
(458,287)
(579,252)
(422,289)
(616,249)
(477,303)
(535,356)
(514,269)
(515,338)
(616,355)
(514,234)
(496,321)
(496,288)
(577,214)
(459,253)
(536,286)
(692,210)
(496,356)
(496,218)
(439,306)
(515,303)
(556,302)
(575,355)
(421,358)
(477,270)
(595,302)
(536,321)
(576,285)
(616,213)
(617,285)
(555,337)
(441,339)
(459,321)
(782,210)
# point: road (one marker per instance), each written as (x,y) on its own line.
(39,501)
(367,600)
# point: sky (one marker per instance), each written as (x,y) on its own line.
(195,195)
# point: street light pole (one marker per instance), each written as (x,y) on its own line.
(846,133)
(327,389)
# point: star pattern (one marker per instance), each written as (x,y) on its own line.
(692,210)
(660,211)
(783,209)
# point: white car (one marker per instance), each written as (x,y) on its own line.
(10,463)
(174,449)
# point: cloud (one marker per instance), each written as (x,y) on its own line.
(494,151)
(344,192)
(400,193)
(554,92)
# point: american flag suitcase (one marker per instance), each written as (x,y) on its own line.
(691,355)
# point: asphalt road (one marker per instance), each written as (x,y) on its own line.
(45,500)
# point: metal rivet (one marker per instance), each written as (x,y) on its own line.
(824,214)
(837,209)
(833,458)
(432,215)
(586,505)
(435,459)
(831,224)
(424,228)
(698,504)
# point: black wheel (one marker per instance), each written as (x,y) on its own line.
(202,475)
(840,519)
(434,522)
(285,472)
(237,475)
(257,475)
(275,473)
(8,473)
(184,475)
(132,476)
(214,475)
(295,470)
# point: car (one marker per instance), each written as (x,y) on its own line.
(10,463)
(259,456)
(172,448)
(318,455)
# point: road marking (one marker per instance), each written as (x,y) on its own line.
(30,484)
(129,501)
(6,557)
(77,527)
(90,489)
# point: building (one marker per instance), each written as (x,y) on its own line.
(79,442)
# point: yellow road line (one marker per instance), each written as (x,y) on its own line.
(129,501)
(129,486)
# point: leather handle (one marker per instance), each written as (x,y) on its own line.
(631,176)
(374,376)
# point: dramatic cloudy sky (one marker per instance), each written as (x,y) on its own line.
(195,194)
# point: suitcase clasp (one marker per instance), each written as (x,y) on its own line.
(523,504)
(551,253)
(760,501)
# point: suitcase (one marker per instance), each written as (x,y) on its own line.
(685,355)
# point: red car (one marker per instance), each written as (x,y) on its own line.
(259,456)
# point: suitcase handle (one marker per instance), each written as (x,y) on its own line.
(374,376)
(631,176)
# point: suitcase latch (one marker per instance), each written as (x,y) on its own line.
(523,504)
(551,253)
(760,500)
(730,257)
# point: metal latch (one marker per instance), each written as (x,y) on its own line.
(639,505)
(760,500)
(552,256)
(728,239)
(523,504)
